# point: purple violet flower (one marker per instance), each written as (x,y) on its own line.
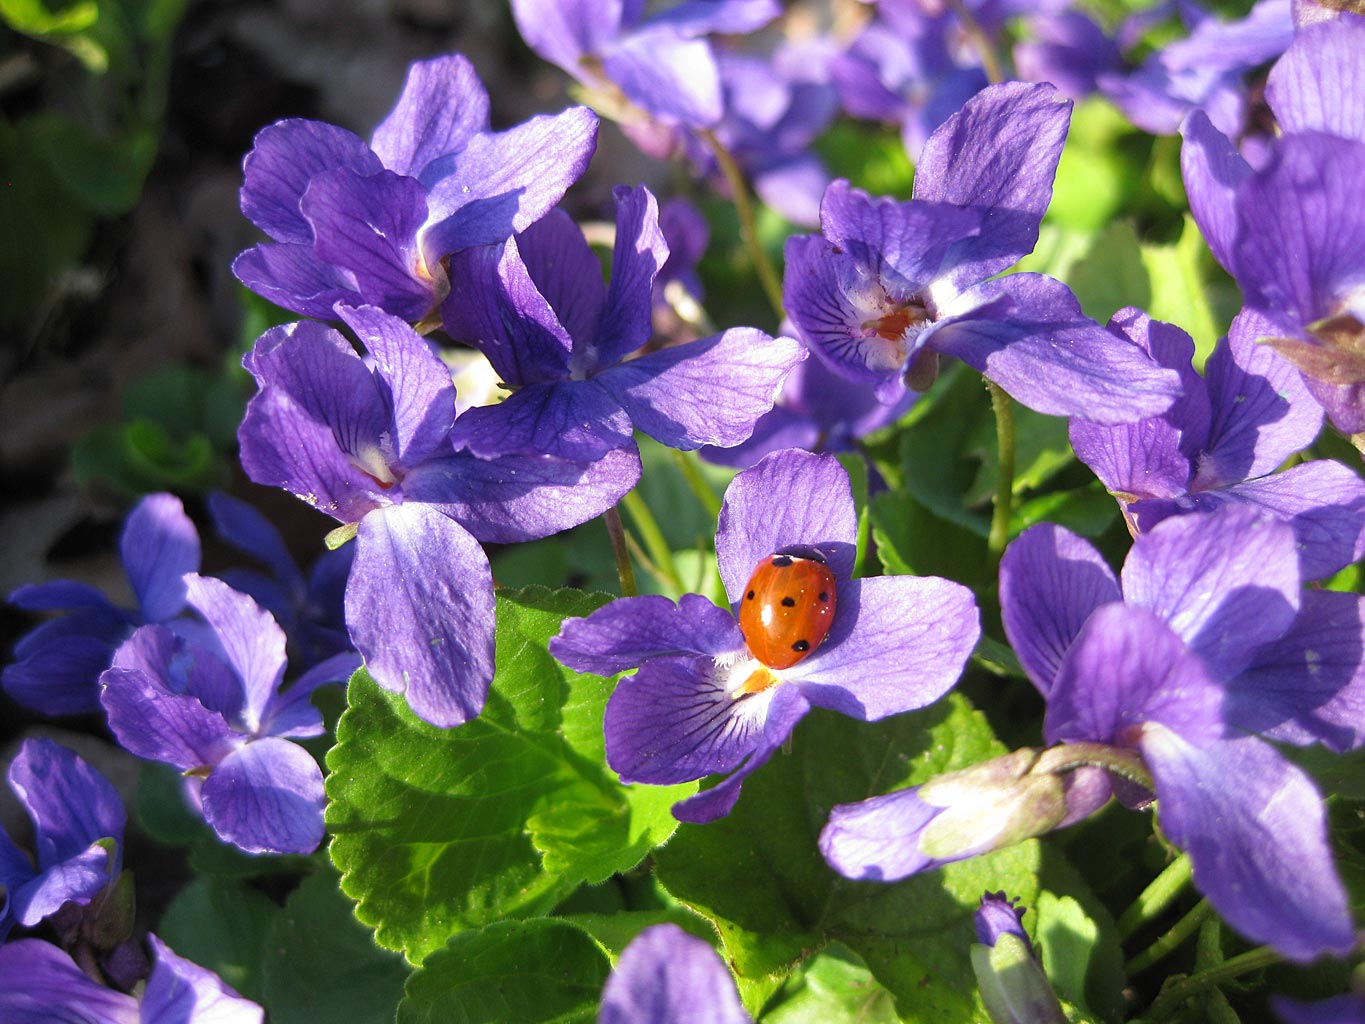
(1292,232)
(889,287)
(368,442)
(78,822)
(774,109)
(1209,643)
(653,75)
(1009,976)
(1346,1009)
(818,410)
(702,703)
(537,307)
(1208,69)
(1223,440)
(211,704)
(57,665)
(309,608)
(371,224)
(1067,49)
(666,976)
(908,70)
(39,984)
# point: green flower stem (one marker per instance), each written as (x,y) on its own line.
(617,533)
(981,42)
(1171,941)
(687,465)
(655,542)
(748,226)
(1169,1003)
(1156,897)
(1002,510)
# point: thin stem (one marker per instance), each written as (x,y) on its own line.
(655,541)
(748,226)
(624,570)
(1171,999)
(1171,941)
(1157,896)
(985,48)
(687,465)
(1002,511)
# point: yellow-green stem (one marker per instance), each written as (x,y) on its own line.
(654,540)
(1169,942)
(687,465)
(748,226)
(1003,510)
(624,571)
(1157,896)
(1168,1004)
(985,48)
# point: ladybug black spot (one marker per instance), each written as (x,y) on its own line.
(801,645)
(789,602)
(782,561)
(824,596)
(749,596)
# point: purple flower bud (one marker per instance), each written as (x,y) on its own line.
(1013,985)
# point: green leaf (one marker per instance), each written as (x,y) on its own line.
(872,158)
(911,540)
(1094,177)
(439,830)
(834,987)
(1082,955)
(103,174)
(45,233)
(758,874)
(1189,289)
(324,963)
(940,449)
(1087,510)
(533,972)
(223,926)
(614,932)
(69,28)
(1042,449)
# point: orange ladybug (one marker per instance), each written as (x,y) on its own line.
(787,608)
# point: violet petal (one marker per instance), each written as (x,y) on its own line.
(266,797)
(419,606)
(1051,581)
(791,501)
(631,630)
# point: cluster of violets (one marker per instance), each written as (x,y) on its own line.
(464,376)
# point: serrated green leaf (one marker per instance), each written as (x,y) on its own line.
(223,926)
(324,963)
(758,874)
(438,830)
(530,972)
(614,932)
